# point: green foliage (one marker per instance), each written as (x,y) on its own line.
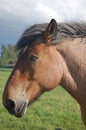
(8,55)
(55,109)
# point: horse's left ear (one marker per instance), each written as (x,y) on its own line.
(51,30)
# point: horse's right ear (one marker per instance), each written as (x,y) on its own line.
(51,30)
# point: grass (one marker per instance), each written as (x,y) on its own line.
(54,109)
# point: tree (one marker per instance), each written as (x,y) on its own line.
(8,55)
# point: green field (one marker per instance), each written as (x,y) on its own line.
(54,109)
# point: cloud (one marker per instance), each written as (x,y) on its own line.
(16,15)
(45,12)
(36,11)
(67,10)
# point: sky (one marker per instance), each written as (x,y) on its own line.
(17,15)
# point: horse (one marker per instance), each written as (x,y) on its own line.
(50,54)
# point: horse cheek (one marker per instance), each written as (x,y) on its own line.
(50,79)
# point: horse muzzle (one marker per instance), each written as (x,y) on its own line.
(17,109)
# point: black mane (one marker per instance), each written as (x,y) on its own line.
(65,30)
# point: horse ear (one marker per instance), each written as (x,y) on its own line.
(51,30)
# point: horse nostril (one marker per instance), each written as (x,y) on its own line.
(10,105)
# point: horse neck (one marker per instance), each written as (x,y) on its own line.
(73,54)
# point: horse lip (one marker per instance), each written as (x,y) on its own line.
(21,110)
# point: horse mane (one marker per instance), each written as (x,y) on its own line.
(65,31)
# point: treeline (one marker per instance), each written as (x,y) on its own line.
(8,56)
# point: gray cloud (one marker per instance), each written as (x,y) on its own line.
(18,14)
(35,11)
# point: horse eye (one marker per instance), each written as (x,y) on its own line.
(33,58)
